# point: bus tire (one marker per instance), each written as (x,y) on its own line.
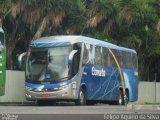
(82,97)
(126,98)
(120,98)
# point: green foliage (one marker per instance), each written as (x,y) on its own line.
(134,42)
(129,23)
(5,5)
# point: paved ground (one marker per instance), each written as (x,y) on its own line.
(69,111)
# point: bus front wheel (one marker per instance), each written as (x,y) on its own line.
(82,97)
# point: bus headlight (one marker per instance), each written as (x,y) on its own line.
(28,96)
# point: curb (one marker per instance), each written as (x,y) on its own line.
(143,107)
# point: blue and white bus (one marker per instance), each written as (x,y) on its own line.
(81,69)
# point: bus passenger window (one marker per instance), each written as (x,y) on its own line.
(134,61)
(84,61)
(106,56)
(88,54)
(127,60)
(98,56)
(113,63)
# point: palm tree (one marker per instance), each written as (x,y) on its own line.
(36,15)
(130,23)
(102,12)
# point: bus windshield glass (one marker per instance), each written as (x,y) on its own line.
(48,65)
(1,42)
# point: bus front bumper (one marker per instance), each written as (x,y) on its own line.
(67,93)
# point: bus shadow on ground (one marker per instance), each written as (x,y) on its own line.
(63,103)
(53,103)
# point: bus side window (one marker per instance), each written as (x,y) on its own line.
(121,62)
(98,58)
(106,57)
(122,59)
(117,55)
(127,60)
(88,54)
(134,61)
(113,63)
(85,55)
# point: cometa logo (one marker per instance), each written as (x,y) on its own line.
(96,72)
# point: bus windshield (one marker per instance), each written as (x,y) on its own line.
(48,65)
(1,42)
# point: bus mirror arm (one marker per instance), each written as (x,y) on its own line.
(20,57)
(71,55)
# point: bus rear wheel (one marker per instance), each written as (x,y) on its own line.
(120,98)
(126,98)
(82,97)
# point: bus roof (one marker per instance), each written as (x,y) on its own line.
(71,39)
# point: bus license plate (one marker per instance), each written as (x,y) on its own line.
(45,95)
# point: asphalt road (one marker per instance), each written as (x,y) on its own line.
(71,112)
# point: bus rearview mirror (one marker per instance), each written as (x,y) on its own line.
(20,58)
(71,55)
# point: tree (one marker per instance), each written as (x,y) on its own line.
(129,23)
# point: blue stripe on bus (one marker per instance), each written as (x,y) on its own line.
(50,44)
(48,86)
